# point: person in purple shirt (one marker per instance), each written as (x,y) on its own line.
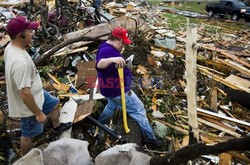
(107,60)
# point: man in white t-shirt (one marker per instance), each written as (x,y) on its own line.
(26,98)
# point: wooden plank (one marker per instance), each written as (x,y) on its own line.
(236,59)
(174,52)
(2,82)
(4,40)
(221,51)
(154,105)
(191,77)
(235,66)
(212,70)
(219,123)
(214,98)
(202,111)
(215,138)
(225,159)
(70,52)
(226,111)
(185,132)
(221,80)
(238,81)
(218,127)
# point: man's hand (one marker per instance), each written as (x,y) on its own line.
(119,61)
(40,117)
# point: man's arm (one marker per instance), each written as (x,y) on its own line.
(105,62)
(29,101)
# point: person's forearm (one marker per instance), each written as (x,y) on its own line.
(104,63)
(29,101)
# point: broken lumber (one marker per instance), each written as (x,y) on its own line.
(185,132)
(220,79)
(70,51)
(212,114)
(190,74)
(235,66)
(221,51)
(239,82)
(218,127)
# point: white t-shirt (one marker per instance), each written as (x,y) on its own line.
(21,72)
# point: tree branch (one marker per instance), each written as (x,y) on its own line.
(63,44)
(194,151)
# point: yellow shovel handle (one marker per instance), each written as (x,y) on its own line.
(124,114)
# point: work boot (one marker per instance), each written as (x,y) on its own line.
(153,143)
(63,127)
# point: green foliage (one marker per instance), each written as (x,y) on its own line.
(1,61)
(198,7)
(2,158)
(153,1)
(45,69)
(178,22)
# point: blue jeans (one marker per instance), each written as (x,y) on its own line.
(135,110)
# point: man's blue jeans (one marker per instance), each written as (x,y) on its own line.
(135,110)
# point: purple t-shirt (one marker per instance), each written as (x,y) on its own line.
(108,78)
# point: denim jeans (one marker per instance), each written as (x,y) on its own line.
(135,109)
(29,125)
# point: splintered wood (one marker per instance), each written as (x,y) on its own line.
(191,55)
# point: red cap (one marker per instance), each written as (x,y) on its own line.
(122,34)
(19,24)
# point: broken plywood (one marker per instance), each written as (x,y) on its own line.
(83,111)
